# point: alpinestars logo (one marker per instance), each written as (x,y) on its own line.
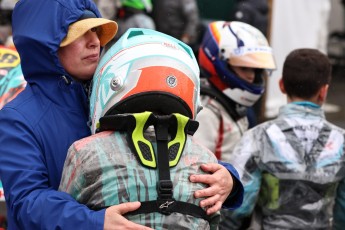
(166,204)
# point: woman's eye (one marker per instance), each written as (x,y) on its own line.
(94,29)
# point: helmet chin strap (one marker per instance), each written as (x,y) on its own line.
(241,110)
(235,110)
(173,129)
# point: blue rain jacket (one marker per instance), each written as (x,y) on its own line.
(39,125)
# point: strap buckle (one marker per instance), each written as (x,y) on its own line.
(165,190)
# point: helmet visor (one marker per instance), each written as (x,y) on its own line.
(253,57)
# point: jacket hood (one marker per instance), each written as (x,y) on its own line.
(37,35)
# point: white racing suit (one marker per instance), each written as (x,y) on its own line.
(101,170)
(217,129)
(220,127)
(290,168)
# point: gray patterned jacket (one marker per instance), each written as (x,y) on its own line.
(101,171)
(290,167)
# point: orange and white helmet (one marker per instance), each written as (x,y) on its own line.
(145,70)
(227,44)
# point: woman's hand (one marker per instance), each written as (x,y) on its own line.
(220,185)
(114,219)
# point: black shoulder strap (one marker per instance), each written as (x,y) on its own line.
(235,110)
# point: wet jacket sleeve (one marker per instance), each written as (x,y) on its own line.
(235,198)
(250,175)
(71,178)
(31,201)
(339,207)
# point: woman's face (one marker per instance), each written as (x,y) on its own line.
(81,57)
(245,73)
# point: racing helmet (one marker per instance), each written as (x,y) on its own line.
(138,4)
(145,70)
(227,44)
(12,81)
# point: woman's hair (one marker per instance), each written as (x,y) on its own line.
(305,71)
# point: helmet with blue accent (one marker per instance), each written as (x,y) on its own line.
(145,70)
(11,76)
(227,44)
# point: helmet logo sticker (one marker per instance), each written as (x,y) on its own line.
(170,45)
(171,80)
(115,83)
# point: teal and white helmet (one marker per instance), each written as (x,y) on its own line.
(145,70)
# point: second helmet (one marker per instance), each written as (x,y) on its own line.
(227,44)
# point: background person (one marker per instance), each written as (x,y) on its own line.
(291,165)
(133,14)
(11,77)
(179,18)
(233,57)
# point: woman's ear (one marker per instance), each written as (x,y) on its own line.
(281,86)
(323,93)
